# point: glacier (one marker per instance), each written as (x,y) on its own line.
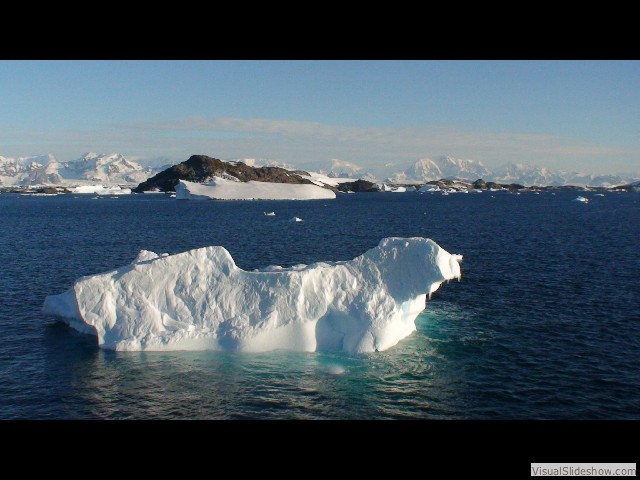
(200,300)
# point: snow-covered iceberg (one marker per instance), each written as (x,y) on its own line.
(224,189)
(200,300)
(101,190)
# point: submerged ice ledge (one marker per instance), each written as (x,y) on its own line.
(200,300)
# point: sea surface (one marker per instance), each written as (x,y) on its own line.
(545,323)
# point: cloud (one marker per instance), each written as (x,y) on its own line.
(305,142)
(376,146)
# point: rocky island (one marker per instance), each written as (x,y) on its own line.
(203,177)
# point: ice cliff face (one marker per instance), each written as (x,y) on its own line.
(200,300)
(223,189)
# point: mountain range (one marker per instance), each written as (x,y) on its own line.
(91,168)
(115,169)
(447,167)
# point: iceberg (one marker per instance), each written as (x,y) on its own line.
(101,190)
(200,300)
(224,189)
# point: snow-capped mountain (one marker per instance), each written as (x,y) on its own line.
(607,180)
(28,170)
(336,168)
(343,169)
(448,167)
(635,186)
(111,168)
(427,169)
(528,175)
(115,169)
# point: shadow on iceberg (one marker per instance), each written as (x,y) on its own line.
(200,300)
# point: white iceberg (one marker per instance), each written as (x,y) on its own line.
(582,199)
(101,190)
(223,189)
(200,300)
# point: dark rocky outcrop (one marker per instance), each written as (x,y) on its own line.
(480,184)
(494,185)
(630,187)
(358,186)
(49,190)
(201,168)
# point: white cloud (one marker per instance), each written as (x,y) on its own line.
(301,142)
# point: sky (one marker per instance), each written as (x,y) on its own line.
(569,115)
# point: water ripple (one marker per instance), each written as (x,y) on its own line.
(544,323)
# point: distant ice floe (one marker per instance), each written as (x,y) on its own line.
(200,300)
(582,199)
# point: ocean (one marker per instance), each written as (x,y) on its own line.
(544,323)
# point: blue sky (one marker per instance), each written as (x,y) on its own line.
(575,115)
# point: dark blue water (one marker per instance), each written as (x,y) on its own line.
(544,324)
